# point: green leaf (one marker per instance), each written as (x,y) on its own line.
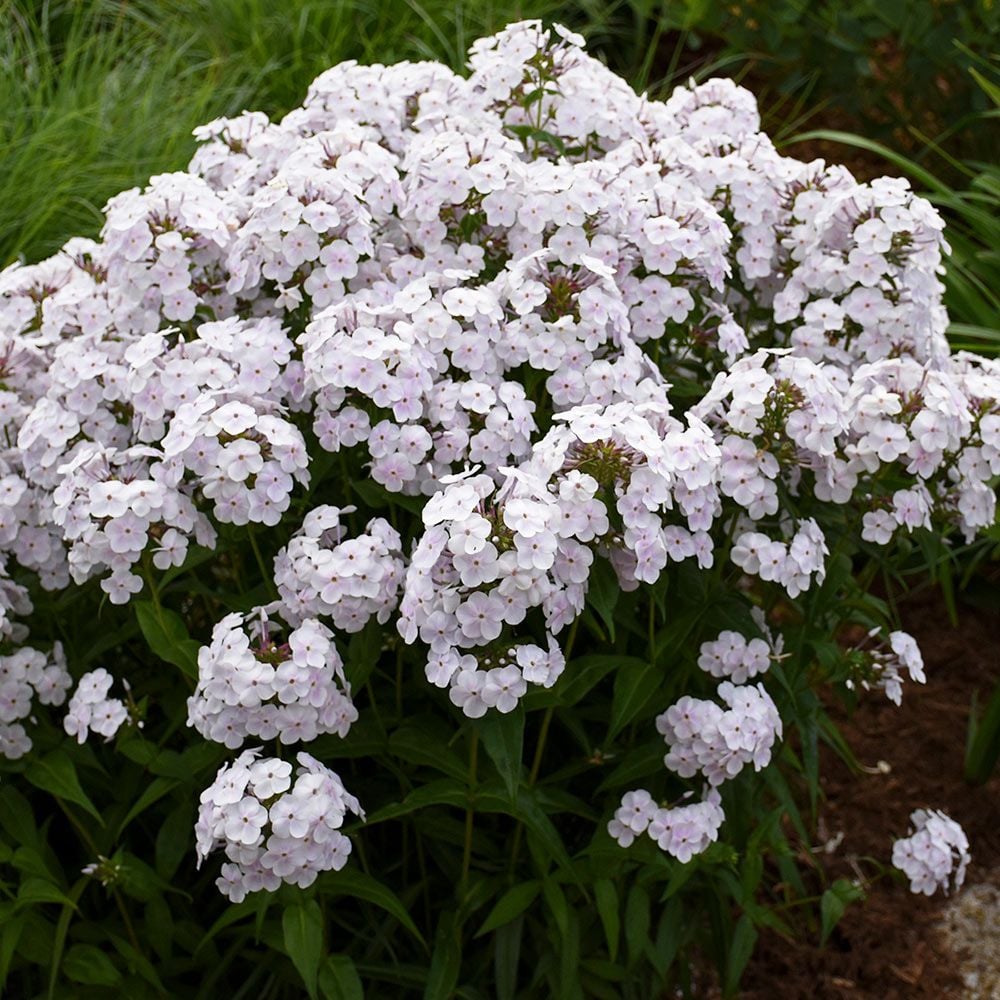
(543,829)
(578,679)
(253,905)
(167,636)
(988,87)
(173,839)
(375,495)
(503,739)
(983,741)
(16,816)
(740,949)
(634,686)
(511,904)
(638,763)
(569,959)
(446,960)
(98,647)
(925,177)
(339,979)
(948,590)
(752,870)
(833,904)
(87,964)
(672,640)
(423,740)
(56,773)
(808,721)
(159,928)
(141,882)
(138,750)
(603,590)
(779,786)
(32,862)
(363,652)
(507,956)
(196,556)
(302,927)
(62,926)
(679,877)
(669,936)
(975,333)
(555,899)
(444,792)
(38,890)
(606,896)
(525,132)
(350,882)
(636,923)
(153,792)
(10,935)
(137,963)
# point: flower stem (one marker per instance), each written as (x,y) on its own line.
(470,809)
(536,763)
(267,577)
(543,735)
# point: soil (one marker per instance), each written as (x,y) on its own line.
(895,945)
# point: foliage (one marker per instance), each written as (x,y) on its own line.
(912,65)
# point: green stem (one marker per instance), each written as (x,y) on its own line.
(128,921)
(543,732)
(399,681)
(536,763)
(265,575)
(154,591)
(652,630)
(362,855)
(470,811)
(375,711)
(543,735)
(82,830)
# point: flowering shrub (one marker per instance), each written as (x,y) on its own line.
(469,432)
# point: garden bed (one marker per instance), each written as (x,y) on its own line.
(892,947)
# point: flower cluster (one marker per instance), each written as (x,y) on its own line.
(682,831)
(272,828)
(935,855)
(703,737)
(25,675)
(322,574)
(252,685)
(91,710)
(883,668)
(732,655)
(599,484)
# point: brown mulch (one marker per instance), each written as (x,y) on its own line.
(888,947)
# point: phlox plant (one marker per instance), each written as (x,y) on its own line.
(435,526)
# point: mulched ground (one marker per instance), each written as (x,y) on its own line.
(889,947)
